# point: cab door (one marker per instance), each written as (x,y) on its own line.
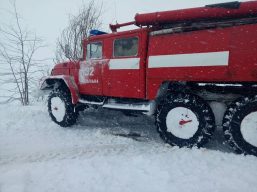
(90,73)
(125,72)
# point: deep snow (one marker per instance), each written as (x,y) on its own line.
(37,155)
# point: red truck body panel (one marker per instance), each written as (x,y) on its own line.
(238,43)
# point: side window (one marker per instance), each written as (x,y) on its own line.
(94,51)
(126,47)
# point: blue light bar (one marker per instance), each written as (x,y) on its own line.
(96,32)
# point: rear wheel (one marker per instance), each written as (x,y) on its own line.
(240,125)
(61,109)
(185,120)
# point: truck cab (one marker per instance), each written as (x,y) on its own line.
(114,65)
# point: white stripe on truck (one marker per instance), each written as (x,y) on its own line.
(190,60)
(128,63)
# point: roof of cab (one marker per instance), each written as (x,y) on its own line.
(116,34)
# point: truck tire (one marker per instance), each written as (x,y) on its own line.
(185,120)
(240,125)
(60,107)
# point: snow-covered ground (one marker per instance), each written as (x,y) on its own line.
(108,151)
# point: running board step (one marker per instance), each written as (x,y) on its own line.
(133,107)
(147,107)
(91,102)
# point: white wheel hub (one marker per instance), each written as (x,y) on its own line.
(58,108)
(249,129)
(182,122)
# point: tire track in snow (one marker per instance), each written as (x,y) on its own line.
(70,153)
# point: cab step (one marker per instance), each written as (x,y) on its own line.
(114,104)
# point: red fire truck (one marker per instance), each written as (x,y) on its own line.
(172,66)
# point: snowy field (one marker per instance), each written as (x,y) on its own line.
(108,151)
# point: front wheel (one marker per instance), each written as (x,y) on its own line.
(61,109)
(185,120)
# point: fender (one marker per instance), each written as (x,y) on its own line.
(50,81)
(159,89)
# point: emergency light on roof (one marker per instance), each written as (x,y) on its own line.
(96,32)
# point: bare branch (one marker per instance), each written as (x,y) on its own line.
(88,18)
(17,52)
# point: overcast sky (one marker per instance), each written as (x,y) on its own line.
(48,17)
